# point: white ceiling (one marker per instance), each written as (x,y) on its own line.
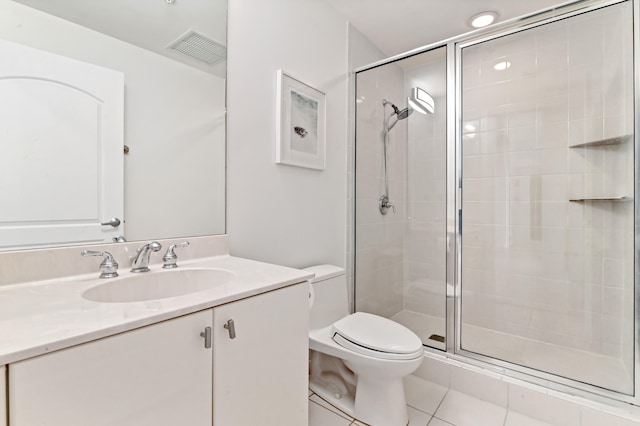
(150,24)
(397,26)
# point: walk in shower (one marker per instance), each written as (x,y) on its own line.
(499,226)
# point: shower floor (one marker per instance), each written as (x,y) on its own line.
(592,368)
(603,371)
(424,326)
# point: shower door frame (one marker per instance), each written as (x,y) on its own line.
(453,314)
(455,148)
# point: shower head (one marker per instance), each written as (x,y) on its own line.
(403,113)
(400,114)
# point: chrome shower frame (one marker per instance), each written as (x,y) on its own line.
(454,172)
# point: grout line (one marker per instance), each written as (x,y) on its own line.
(339,412)
(438,418)
(332,412)
(439,404)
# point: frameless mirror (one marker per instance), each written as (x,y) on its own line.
(113,120)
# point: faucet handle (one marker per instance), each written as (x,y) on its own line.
(153,246)
(108,267)
(170,257)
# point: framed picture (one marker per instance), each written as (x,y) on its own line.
(300,130)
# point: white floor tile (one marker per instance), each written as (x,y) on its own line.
(438,422)
(320,416)
(423,395)
(315,398)
(418,418)
(464,410)
(517,419)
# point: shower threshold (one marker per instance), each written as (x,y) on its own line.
(592,368)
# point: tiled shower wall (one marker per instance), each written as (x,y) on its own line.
(379,239)
(534,263)
(425,229)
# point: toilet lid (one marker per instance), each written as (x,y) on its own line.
(377,334)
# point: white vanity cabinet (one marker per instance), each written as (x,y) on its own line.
(261,375)
(163,374)
(156,375)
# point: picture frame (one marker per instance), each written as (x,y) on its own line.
(300,126)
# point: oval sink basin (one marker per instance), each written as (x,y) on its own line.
(157,285)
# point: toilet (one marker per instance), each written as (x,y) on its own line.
(358,361)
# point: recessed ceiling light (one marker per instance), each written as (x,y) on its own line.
(483,19)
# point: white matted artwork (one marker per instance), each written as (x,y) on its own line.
(300,130)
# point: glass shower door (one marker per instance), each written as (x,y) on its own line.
(547,257)
(400,250)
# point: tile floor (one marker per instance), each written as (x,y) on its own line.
(429,404)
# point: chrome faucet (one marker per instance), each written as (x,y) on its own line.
(141,261)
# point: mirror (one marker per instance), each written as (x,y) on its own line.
(171,58)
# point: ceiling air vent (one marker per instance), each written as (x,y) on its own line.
(199,47)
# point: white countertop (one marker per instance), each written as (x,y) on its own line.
(44,316)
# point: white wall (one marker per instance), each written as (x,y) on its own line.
(174,127)
(286,215)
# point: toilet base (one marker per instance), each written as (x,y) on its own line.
(381,403)
(344,403)
(376,403)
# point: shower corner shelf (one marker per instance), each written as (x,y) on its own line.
(615,199)
(604,142)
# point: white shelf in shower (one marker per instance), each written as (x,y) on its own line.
(604,142)
(615,199)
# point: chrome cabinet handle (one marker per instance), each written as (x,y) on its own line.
(230,325)
(114,221)
(207,337)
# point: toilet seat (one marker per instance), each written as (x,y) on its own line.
(377,337)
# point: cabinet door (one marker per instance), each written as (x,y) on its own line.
(3,396)
(260,376)
(157,375)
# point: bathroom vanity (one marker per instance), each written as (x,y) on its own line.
(233,354)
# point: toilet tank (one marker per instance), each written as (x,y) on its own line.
(328,296)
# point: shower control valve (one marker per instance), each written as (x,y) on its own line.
(385,205)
